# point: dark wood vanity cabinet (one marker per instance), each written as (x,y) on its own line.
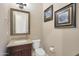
(20,50)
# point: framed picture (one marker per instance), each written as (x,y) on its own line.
(66,16)
(48,14)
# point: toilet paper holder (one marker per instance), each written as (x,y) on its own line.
(52,49)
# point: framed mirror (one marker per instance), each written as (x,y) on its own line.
(19,22)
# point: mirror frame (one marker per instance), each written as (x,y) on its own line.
(11,22)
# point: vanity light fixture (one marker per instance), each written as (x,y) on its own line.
(21,5)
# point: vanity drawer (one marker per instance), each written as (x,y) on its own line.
(21,50)
(25,46)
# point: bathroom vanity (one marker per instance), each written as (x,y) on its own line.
(19,25)
(19,48)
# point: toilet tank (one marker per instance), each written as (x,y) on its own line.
(36,43)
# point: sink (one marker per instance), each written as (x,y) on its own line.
(20,41)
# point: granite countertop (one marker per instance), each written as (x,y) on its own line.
(19,42)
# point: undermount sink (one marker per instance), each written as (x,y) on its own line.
(20,41)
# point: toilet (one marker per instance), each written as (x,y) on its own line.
(38,51)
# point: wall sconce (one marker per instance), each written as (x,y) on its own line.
(21,5)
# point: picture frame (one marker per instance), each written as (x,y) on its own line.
(48,13)
(66,17)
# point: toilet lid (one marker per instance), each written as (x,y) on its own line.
(40,51)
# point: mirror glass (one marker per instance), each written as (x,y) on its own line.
(19,22)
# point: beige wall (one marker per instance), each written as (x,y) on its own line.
(52,36)
(66,40)
(35,23)
(71,38)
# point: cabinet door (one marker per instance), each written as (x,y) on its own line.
(26,52)
(23,50)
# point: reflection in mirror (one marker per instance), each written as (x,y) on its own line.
(19,22)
